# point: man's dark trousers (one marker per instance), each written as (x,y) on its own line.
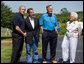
(51,37)
(17,43)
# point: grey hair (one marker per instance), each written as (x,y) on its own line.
(21,6)
(48,6)
(74,14)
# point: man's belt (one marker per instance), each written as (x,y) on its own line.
(49,30)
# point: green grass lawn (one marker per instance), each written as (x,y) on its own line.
(6,48)
(4,29)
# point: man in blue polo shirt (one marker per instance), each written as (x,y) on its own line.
(48,25)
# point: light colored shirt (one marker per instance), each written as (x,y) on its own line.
(74,28)
(32,22)
(48,22)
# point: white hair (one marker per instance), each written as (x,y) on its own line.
(21,6)
(74,14)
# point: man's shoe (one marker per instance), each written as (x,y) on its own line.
(53,61)
(44,61)
(72,62)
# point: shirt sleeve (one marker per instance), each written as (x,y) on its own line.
(16,21)
(81,24)
(41,21)
(56,21)
(80,27)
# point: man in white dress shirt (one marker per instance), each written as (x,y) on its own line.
(32,29)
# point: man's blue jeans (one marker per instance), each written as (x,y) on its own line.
(34,45)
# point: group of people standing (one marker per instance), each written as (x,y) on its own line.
(29,28)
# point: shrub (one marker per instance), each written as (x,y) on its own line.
(63,29)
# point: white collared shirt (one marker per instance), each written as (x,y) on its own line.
(32,22)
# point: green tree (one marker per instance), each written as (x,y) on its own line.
(6,16)
(64,10)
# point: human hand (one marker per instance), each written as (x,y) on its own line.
(42,31)
(56,31)
(25,34)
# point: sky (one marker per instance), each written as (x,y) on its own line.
(40,6)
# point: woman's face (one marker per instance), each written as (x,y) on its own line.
(72,18)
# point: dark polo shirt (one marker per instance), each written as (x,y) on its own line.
(18,20)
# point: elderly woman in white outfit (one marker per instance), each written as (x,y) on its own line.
(69,44)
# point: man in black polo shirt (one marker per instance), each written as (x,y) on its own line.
(18,34)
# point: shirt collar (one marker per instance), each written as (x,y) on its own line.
(48,14)
(72,22)
(31,18)
(21,14)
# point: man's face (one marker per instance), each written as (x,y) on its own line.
(22,10)
(31,13)
(50,9)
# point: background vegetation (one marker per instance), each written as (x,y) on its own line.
(7,16)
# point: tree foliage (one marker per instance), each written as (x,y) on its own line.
(64,10)
(6,15)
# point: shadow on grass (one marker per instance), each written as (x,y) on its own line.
(40,61)
(3,38)
(48,60)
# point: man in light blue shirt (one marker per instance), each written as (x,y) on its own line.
(48,23)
